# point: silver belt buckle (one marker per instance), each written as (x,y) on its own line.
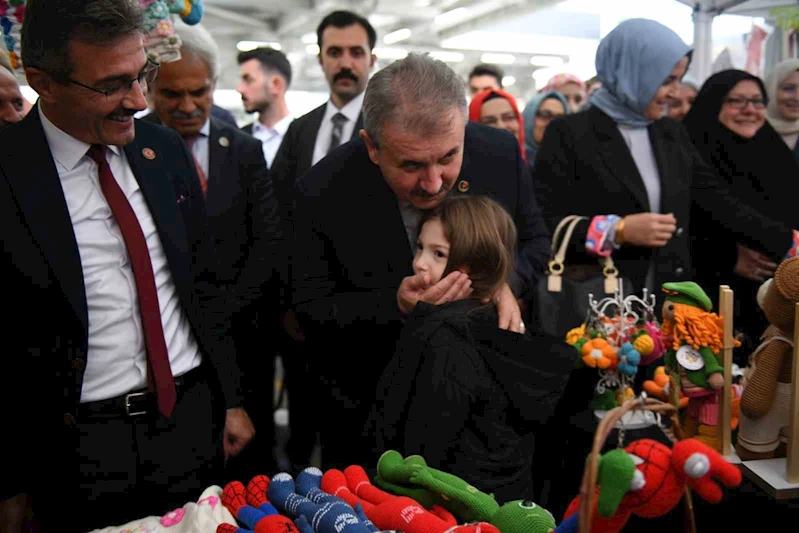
(127,403)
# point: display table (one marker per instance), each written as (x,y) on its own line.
(201,517)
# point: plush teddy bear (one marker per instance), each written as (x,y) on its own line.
(765,405)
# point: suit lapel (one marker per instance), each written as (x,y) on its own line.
(308,139)
(387,216)
(37,187)
(616,156)
(218,160)
(358,127)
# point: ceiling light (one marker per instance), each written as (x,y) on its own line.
(421,3)
(507,81)
(397,36)
(308,38)
(452,17)
(390,53)
(546,61)
(448,57)
(312,49)
(246,46)
(498,59)
(377,20)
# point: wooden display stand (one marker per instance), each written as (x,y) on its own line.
(726,314)
(780,477)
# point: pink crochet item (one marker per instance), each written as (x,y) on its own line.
(173,518)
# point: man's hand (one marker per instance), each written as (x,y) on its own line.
(416,288)
(238,432)
(753,265)
(510,314)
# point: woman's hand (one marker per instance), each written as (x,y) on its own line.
(754,265)
(649,229)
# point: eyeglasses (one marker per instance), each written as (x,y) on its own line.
(547,115)
(148,75)
(740,103)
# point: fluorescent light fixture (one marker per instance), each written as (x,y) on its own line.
(377,20)
(397,36)
(308,38)
(498,59)
(390,53)
(507,81)
(447,56)
(421,3)
(246,46)
(452,17)
(546,61)
(312,49)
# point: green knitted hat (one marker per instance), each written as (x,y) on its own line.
(688,293)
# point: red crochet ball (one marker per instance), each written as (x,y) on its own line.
(663,488)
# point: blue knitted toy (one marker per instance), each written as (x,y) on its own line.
(309,483)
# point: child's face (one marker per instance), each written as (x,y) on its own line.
(432,251)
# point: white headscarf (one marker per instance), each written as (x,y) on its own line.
(775,78)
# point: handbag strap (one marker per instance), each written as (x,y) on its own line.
(558,230)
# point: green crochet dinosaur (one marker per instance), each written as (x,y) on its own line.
(413,478)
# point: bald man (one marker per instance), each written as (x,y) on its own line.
(12,103)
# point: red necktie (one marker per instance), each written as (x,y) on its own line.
(203,179)
(159,373)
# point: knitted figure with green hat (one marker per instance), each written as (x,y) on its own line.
(694,338)
(466,502)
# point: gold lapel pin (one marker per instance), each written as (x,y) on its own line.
(148,153)
(224,141)
(463,186)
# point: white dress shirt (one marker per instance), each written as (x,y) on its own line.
(351,110)
(116,362)
(200,149)
(271,137)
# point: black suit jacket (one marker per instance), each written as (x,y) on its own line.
(243,217)
(47,324)
(352,251)
(295,156)
(584,167)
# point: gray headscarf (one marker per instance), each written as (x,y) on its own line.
(781,70)
(632,62)
(528,116)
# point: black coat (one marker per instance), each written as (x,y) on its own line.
(47,342)
(584,167)
(470,397)
(351,250)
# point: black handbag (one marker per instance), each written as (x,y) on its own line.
(563,296)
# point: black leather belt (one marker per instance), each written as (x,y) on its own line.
(135,403)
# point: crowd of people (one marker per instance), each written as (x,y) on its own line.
(386,246)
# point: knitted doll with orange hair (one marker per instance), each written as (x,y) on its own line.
(765,404)
(694,336)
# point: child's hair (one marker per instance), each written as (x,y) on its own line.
(482,240)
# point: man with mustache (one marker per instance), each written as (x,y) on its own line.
(119,362)
(356,221)
(243,221)
(346,41)
(12,103)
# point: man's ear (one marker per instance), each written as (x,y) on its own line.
(42,83)
(371,147)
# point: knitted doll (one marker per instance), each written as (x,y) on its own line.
(765,405)
(694,336)
(466,502)
(648,479)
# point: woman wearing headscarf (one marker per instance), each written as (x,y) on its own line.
(782,89)
(537,115)
(570,86)
(635,174)
(498,109)
(728,126)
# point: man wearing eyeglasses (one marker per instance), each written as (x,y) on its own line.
(116,357)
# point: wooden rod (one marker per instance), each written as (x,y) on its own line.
(725,421)
(793,428)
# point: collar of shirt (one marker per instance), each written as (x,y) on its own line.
(205,131)
(351,109)
(280,127)
(67,150)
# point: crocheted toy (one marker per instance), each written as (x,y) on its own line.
(650,481)
(765,404)
(466,502)
(234,497)
(694,342)
(660,387)
(392,512)
(12,14)
(161,43)
(330,517)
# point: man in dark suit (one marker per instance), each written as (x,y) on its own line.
(243,220)
(346,41)
(118,361)
(356,219)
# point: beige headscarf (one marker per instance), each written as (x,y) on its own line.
(781,70)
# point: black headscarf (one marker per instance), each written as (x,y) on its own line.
(762,171)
